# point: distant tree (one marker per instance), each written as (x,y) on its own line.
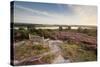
(69,27)
(60,28)
(79,29)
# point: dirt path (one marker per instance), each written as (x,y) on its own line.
(54,49)
(54,45)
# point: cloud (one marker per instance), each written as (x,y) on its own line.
(86,14)
(28,15)
(82,15)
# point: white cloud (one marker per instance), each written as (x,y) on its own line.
(83,15)
(86,14)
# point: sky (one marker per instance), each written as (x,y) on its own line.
(50,13)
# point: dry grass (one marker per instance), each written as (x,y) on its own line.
(48,58)
(76,53)
(25,51)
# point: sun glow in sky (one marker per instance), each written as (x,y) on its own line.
(48,13)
